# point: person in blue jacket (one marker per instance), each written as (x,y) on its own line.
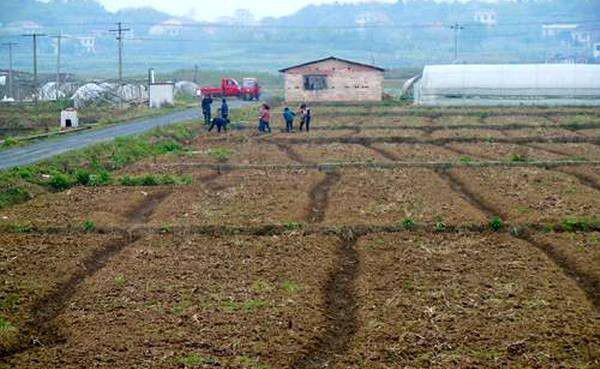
(288,117)
(206,108)
(224,110)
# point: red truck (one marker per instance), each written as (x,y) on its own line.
(250,89)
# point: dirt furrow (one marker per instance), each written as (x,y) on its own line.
(340,311)
(319,197)
(588,283)
(40,329)
(292,154)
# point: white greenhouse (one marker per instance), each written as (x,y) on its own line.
(509,85)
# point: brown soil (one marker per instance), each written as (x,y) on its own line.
(459,301)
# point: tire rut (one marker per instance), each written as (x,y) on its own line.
(340,310)
(40,329)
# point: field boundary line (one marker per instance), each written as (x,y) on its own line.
(381,165)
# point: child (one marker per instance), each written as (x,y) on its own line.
(220,122)
(305,117)
(288,117)
(264,124)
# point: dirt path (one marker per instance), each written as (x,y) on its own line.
(40,330)
(340,310)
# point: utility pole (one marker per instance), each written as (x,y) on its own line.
(34,37)
(10,67)
(195,73)
(119,31)
(457,28)
(58,38)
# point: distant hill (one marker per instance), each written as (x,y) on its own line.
(405,33)
(67,12)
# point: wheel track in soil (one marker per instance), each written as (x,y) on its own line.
(587,282)
(339,293)
(40,329)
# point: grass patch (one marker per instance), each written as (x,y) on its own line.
(13,196)
(120,281)
(154,180)
(573,224)
(290,287)
(220,154)
(195,360)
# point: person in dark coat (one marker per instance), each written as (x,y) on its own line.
(220,122)
(288,117)
(206,108)
(224,110)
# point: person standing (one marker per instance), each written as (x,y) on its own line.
(206,108)
(225,110)
(288,117)
(264,124)
(305,117)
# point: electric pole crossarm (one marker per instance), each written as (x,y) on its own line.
(457,28)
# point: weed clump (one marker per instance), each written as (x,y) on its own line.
(409,223)
(13,196)
(221,154)
(89,226)
(496,224)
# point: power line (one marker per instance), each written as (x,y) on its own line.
(119,31)
(34,36)
(10,67)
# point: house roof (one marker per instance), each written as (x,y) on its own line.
(332,58)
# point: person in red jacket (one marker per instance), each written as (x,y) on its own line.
(264,124)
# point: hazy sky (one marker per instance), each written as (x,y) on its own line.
(210,9)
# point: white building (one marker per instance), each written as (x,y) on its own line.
(596,50)
(69,119)
(88,43)
(557,29)
(162,94)
(171,27)
(486,17)
(510,85)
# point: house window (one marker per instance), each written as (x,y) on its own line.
(315,82)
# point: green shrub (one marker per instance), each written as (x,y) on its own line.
(61,182)
(496,224)
(82,177)
(194,360)
(290,287)
(465,159)
(9,142)
(166,147)
(440,226)
(292,226)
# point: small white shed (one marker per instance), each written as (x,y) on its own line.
(69,119)
(162,94)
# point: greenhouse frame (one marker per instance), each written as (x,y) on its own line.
(509,85)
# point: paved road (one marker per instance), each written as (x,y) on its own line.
(45,149)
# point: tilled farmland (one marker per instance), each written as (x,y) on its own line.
(385,238)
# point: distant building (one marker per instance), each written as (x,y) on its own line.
(88,43)
(333,79)
(486,17)
(558,29)
(596,50)
(161,94)
(171,27)
(509,85)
